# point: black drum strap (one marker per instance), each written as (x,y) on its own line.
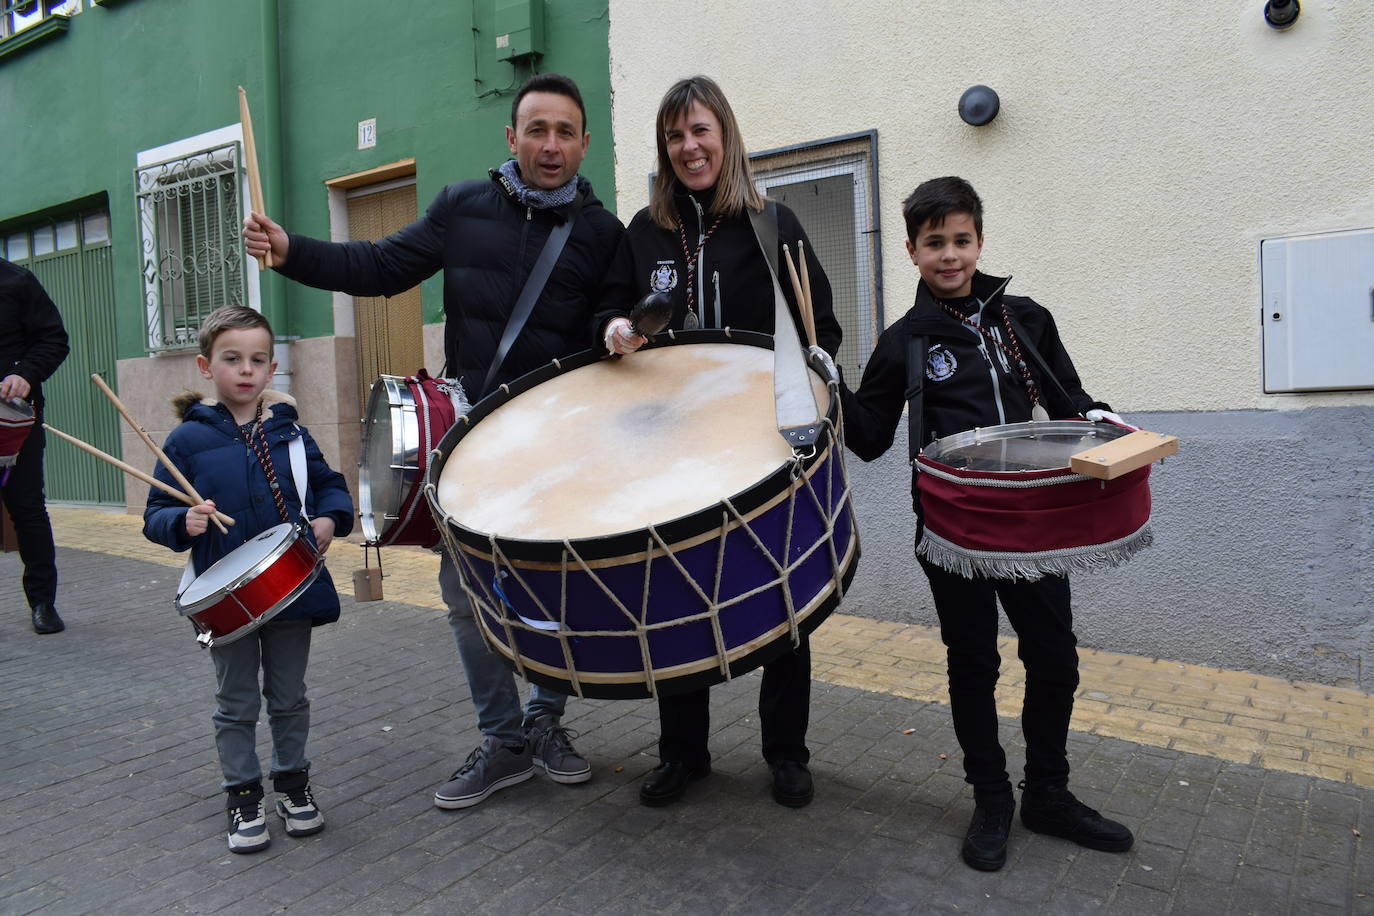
(534,285)
(915,415)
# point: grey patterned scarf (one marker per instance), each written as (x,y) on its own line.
(537,198)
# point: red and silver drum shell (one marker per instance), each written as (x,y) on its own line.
(287,568)
(1027,524)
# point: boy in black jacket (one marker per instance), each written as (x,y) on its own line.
(975,374)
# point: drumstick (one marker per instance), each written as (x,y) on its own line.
(250,156)
(132,471)
(802,308)
(148,441)
(808,317)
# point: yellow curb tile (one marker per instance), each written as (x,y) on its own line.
(1271,726)
(1221,728)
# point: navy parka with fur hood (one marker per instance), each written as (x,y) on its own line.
(209,450)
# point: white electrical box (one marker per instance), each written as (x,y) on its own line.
(1318,321)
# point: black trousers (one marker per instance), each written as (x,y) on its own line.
(1039,612)
(23,494)
(784,713)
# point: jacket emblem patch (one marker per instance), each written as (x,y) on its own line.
(663,277)
(940,363)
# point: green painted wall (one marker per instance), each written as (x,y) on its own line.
(76,110)
(344,63)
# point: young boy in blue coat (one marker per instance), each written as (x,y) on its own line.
(233,449)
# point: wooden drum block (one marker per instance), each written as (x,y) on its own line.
(1121,456)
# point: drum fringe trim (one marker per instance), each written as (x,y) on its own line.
(990,564)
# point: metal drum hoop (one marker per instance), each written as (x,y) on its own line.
(405,436)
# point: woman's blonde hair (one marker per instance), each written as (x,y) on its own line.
(735,184)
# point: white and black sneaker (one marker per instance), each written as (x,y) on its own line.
(248,828)
(298,810)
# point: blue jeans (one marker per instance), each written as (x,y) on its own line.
(282,649)
(491,682)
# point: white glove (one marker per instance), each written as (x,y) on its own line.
(620,339)
(1109,417)
(823,363)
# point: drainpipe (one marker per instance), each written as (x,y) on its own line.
(267,131)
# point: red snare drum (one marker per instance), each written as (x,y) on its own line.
(16,422)
(250,585)
(406,418)
(1002,502)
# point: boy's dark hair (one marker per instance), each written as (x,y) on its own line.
(549,82)
(229,318)
(937,198)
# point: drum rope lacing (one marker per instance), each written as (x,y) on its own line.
(492,596)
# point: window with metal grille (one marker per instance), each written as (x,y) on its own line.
(193,258)
(832,187)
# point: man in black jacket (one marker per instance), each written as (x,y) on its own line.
(486,236)
(33,344)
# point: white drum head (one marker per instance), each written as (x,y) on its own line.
(252,556)
(621,444)
(15,410)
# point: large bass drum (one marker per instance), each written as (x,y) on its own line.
(634,527)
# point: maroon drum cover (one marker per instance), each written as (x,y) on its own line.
(16,422)
(1002,502)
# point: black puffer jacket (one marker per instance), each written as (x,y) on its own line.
(967,380)
(33,342)
(486,242)
(730,267)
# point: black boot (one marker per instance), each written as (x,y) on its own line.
(792,784)
(667,782)
(45,619)
(985,842)
(1053,810)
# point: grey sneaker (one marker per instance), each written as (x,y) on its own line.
(248,828)
(299,812)
(491,766)
(552,747)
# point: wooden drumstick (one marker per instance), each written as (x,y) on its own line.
(808,316)
(250,157)
(148,441)
(132,471)
(802,307)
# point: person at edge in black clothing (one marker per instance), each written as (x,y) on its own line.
(695,242)
(33,343)
(486,236)
(969,382)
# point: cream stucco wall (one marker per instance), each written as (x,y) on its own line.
(1142,152)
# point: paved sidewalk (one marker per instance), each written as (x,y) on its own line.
(1247,794)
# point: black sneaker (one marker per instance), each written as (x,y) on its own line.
(247,820)
(1055,812)
(985,842)
(299,812)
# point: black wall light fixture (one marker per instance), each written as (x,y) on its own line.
(1281,14)
(979,105)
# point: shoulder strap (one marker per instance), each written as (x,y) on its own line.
(296,447)
(915,392)
(766,229)
(534,285)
